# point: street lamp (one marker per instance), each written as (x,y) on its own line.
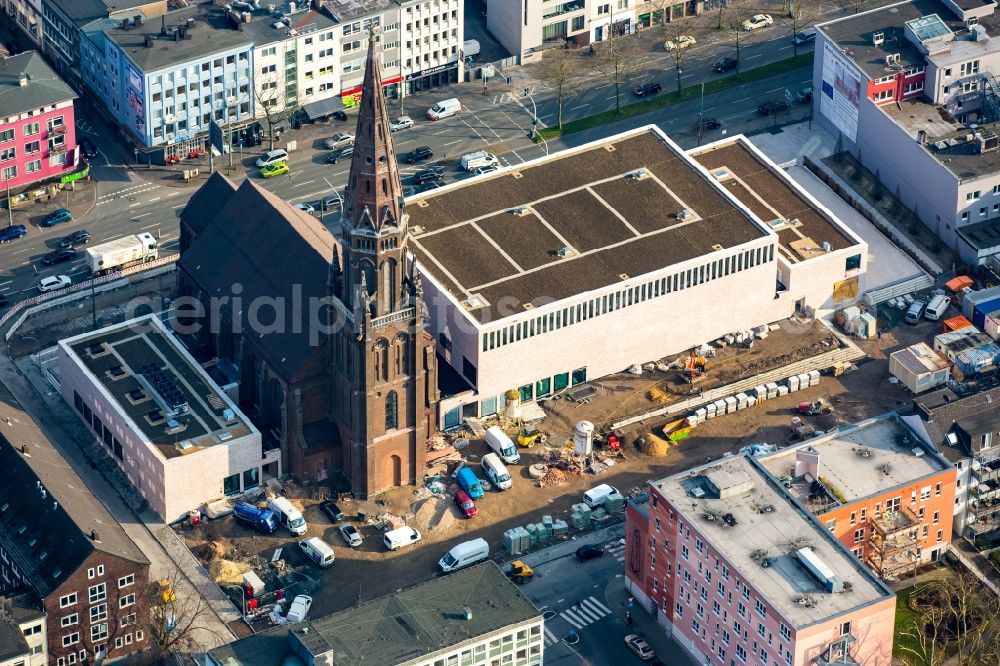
(322,203)
(534,120)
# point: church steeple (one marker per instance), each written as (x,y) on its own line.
(374,217)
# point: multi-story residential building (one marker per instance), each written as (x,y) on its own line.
(27,16)
(59,540)
(178,437)
(22,630)
(963,430)
(473,616)
(878,488)
(911,90)
(163,81)
(533,311)
(737,571)
(63,20)
(37,130)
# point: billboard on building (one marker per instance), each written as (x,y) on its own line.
(134,94)
(841,94)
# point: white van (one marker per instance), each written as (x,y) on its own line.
(317,550)
(404,536)
(443,109)
(595,497)
(500,443)
(480,158)
(464,554)
(936,308)
(272,157)
(496,472)
(288,515)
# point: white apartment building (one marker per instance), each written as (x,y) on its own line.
(23,630)
(624,250)
(27,15)
(473,617)
(179,438)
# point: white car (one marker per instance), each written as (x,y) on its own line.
(401,123)
(638,644)
(351,535)
(53,283)
(758,21)
(682,42)
(306,208)
(300,606)
(338,140)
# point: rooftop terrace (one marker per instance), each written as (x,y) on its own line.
(745,516)
(865,459)
(802,227)
(573,222)
(167,397)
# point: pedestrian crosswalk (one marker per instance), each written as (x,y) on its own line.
(617,549)
(587,611)
(550,638)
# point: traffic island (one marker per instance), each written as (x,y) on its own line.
(692,92)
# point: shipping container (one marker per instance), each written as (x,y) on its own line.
(955,324)
(958,283)
(974,298)
(991,324)
(980,310)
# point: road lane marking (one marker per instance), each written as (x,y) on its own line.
(149,226)
(452,143)
(306,182)
(178,206)
(136,217)
(155,199)
(582,106)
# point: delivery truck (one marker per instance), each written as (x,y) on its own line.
(121,253)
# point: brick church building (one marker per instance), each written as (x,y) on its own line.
(357,397)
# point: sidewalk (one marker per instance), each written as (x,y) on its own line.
(645,624)
(977,563)
(44,410)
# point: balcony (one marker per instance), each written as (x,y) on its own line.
(893,542)
(564,8)
(838,653)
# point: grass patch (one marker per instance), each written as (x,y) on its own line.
(691,92)
(905,618)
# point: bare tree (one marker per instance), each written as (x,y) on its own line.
(800,14)
(923,647)
(855,5)
(269,100)
(739,11)
(557,68)
(617,59)
(677,34)
(176,621)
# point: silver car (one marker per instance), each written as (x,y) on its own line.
(338,140)
(350,534)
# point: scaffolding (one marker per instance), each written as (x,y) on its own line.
(893,546)
(985,496)
(991,98)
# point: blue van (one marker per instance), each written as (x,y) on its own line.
(469,482)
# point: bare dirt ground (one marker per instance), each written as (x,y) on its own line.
(370,571)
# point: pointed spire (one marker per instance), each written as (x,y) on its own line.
(374,194)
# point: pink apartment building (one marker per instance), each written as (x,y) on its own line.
(37,132)
(738,573)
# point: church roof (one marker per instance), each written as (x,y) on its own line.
(208,201)
(274,258)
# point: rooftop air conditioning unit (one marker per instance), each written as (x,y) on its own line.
(892,60)
(639,174)
(685,214)
(521,211)
(878,38)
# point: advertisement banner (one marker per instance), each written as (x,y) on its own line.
(841,94)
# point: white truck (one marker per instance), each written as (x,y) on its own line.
(122,253)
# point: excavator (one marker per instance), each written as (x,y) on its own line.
(695,367)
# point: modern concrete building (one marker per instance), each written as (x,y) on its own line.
(178,437)
(622,250)
(37,130)
(911,90)
(963,428)
(162,81)
(27,16)
(879,489)
(473,616)
(737,571)
(22,630)
(60,542)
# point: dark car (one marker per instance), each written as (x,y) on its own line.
(59,256)
(772,106)
(418,154)
(726,64)
(709,124)
(429,185)
(331,510)
(12,232)
(805,37)
(339,115)
(88,148)
(339,154)
(331,203)
(428,174)
(589,552)
(78,237)
(804,96)
(647,89)
(57,216)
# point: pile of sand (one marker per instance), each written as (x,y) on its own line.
(434,514)
(210,550)
(653,446)
(227,571)
(658,396)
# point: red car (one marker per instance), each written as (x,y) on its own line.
(465,504)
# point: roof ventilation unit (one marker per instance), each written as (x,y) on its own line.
(184,445)
(685,214)
(566,251)
(987,141)
(818,568)
(228,415)
(639,174)
(878,37)
(521,211)
(892,60)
